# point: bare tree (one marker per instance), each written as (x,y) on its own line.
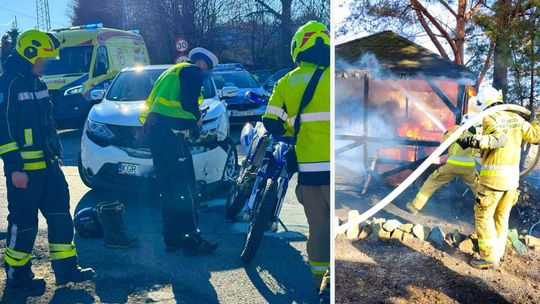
(254,32)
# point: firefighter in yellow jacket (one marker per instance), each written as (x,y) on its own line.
(310,48)
(460,163)
(497,191)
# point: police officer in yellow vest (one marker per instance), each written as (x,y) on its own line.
(171,117)
(500,148)
(31,151)
(311,50)
(460,163)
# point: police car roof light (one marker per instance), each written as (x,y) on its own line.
(229,66)
(91,26)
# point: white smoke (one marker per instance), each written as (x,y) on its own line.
(385,107)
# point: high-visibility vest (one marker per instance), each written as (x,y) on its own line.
(456,154)
(165,95)
(501,158)
(313,138)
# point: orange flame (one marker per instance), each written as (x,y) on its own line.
(423,131)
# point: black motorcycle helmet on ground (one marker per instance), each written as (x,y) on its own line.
(87,223)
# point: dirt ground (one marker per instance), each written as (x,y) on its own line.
(374,271)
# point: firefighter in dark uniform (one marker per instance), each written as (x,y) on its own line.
(31,151)
(171,117)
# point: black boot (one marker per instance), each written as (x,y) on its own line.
(196,245)
(482,264)
(171,237)
(22,277)
(114,230)
(67,270)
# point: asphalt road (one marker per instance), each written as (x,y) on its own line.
(147,273)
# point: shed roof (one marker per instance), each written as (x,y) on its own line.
(401,56)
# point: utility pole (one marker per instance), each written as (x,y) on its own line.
(43,16)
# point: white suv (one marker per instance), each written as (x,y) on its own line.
(114,152)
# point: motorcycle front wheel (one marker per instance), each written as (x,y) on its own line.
(265,205)
(239,195)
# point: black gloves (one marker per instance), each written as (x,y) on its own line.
(468,142)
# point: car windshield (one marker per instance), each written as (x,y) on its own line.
(137,85)
(75,59)
(240,79)
(277,76)
(261,76)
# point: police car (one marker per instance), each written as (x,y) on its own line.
(240,108)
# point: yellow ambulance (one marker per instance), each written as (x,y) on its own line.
(90,57)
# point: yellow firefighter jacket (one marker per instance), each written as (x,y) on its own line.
(500,144)
(457,155)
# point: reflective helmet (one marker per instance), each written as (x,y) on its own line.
(34,44)
(246,137)
(488,96)
(87,223)
(199,53)
(311,43)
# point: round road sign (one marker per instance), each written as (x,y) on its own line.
(181,58)
(181,45)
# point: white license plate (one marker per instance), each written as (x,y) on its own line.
(243,113)
(128,169)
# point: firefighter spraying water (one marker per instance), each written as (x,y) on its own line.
(497,188)
(434,156)
(460,163)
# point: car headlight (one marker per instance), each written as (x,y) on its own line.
(99,130)
(210,129)
(73,90)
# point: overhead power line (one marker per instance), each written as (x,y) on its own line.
(16,12)
(19,14)
(9,23)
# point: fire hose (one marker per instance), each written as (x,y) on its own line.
(433,157)
(533,164)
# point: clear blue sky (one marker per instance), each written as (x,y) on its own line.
(25,10)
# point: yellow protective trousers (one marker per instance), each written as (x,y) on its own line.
(316,202)
(442,176)
(491,214)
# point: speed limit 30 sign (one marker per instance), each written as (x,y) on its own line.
(181,45)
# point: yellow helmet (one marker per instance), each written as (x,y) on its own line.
(488,96)
(34,44)
(306,37)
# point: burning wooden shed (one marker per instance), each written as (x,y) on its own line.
(394,101)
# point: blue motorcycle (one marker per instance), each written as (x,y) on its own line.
(255,141)
(261,186)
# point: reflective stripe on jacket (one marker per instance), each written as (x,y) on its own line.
(164,98)
(313,139)
(500,146)
(457,155)
(28,138)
